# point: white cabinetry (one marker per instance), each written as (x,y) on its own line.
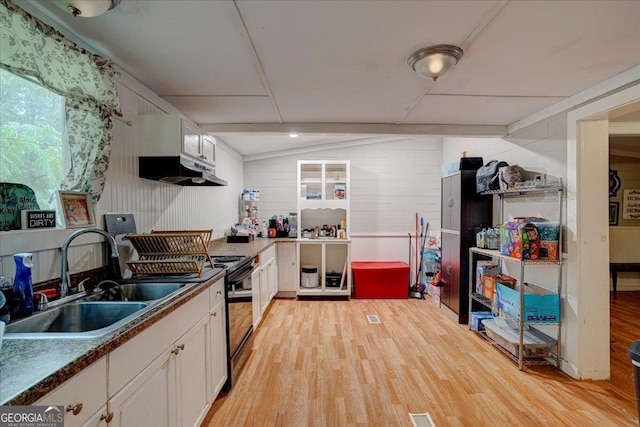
(323,200)
(217,350)
(264,284)
(171,135)
(287,282)
(170,373)
(84,396)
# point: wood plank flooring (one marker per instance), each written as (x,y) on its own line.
(320,363)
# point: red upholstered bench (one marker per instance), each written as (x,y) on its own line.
(380,279)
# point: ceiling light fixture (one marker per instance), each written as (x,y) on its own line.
(86,8)
(432,62)
(293,135)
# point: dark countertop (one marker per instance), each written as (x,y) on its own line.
(31,368)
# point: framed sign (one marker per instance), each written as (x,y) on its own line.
(77,210)
(614,207)
(38,219)
(631,204)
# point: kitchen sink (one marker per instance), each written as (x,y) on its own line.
(84,319)
(137,292)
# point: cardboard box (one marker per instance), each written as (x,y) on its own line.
(520,240)
(540,305)
(477,317)
(485,269)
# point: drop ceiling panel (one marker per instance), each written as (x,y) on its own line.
(225,109)
(346,61)
(475,109)
(174,47)
(545,48)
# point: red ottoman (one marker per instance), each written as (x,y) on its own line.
(380,279)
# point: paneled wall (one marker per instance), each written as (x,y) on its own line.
(390,183)
(155,205)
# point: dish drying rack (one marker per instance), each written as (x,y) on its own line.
(170,252)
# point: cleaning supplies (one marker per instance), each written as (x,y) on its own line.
(22,285)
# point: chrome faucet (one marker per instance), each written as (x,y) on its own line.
(64,280)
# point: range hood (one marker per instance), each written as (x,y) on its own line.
(179,170)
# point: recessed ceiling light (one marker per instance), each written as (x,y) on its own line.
(293,135)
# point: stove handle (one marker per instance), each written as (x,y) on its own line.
(239,276)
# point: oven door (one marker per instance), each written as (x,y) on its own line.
(239,300)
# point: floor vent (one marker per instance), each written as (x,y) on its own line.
(373,318)
(421,420)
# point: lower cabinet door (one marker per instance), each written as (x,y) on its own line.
(191,367)
(149,399)
(218,350)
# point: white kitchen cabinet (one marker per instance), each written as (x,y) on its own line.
(287,272)
(150,399)
(323,200)
(191,369)
(171,135)
(331,257)
(84,396)
(256,295)
(217,350)
(173,389)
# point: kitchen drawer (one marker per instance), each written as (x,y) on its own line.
(128,360)
(216,293)
(88,388)
(267,254)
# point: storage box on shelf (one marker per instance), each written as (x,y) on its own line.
(528,307)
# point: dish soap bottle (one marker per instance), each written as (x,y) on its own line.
(22,286)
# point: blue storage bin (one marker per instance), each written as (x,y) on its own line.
(540,305)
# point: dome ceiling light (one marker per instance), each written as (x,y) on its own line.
(432,62)
(86,8)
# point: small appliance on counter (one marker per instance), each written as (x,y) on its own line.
(309,276)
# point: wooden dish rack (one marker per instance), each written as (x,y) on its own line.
(170,252)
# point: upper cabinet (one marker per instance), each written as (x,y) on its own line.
(323,184)
(172,135)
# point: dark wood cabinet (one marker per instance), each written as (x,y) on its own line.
(463,211)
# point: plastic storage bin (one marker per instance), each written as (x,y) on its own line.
(380,279)
(634,355)
(505,334)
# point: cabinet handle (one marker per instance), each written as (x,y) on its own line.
(181,346)
(215,314)
(108,417)
(449,269)
(219,292)
(175,351)
(451,203)
(76,409)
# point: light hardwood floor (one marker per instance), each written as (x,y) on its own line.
(320,363)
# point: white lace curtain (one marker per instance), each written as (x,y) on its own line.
(30,48)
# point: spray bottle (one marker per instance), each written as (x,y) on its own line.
(22,299)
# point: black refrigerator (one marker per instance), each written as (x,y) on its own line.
(463,212)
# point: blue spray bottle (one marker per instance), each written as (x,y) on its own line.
(22,286)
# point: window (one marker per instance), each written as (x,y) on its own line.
(32,137)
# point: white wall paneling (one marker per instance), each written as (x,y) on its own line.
(390,183)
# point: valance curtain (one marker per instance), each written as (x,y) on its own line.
(30,48)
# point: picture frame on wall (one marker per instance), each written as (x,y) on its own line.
(77,210)
(614,208)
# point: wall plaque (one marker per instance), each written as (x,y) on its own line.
(38,219)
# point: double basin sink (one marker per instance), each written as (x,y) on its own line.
(94,315)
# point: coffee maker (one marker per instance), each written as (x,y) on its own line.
(293,224)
